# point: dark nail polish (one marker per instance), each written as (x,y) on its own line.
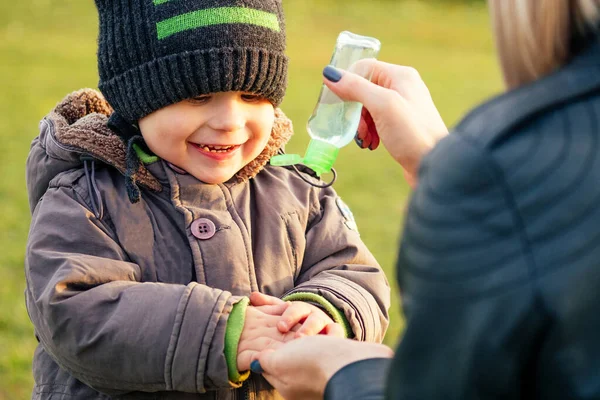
(332,74)
(255,367)
(370,148)
(358,141)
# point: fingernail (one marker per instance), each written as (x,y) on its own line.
(256,367)
(358,141)
(283,325)
(332,74)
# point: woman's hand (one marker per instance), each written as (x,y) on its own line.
(301,369)
(398,110)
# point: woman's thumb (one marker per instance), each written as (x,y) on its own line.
(350,86)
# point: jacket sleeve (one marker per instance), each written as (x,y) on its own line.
(338,266)
(464,271)
(99,322)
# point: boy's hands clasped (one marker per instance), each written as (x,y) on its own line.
(271,322)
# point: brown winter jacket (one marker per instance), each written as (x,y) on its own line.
(127,302)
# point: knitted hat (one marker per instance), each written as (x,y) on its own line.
(152,53)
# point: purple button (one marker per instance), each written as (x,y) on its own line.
(203,228)
(177,169)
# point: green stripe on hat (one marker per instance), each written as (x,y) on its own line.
(157,2)
(215,16)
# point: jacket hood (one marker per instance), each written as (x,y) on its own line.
(77,129)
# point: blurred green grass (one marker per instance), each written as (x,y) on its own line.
(47,48)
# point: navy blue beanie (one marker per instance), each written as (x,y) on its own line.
(152,53)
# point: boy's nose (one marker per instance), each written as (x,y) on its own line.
(228,116)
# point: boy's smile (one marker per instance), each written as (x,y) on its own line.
(212,137)
(216,152)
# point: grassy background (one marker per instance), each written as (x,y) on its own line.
(47,49)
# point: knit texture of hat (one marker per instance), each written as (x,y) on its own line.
(152,53)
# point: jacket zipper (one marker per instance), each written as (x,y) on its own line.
(243,392)
(246,389)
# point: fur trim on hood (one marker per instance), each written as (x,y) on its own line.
(80,122)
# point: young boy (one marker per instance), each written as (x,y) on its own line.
(138,285)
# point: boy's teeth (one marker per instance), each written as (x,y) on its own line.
(215,148)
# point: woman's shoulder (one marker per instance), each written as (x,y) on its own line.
(521,135)
(523,163)
(542,100)
(501,143)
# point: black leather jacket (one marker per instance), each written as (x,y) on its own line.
(499,266)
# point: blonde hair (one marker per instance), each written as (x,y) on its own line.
(534,37)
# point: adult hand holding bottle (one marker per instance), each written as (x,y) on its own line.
(398,110)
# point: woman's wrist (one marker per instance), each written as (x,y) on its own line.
(354,352)
(366,378)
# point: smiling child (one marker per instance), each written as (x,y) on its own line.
(156,216)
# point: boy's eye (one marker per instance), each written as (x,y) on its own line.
(251,97)
(200,99)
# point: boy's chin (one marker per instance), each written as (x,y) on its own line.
(213,179)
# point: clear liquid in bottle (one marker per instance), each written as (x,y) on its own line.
(333,120)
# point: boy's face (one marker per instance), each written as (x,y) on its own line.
(212,137)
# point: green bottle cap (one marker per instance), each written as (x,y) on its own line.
(319,157)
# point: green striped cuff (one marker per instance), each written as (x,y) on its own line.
(335,314)
(233,332)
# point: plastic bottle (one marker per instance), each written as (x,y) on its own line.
(334,122)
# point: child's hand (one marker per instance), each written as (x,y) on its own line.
(260,333)
(313,320)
